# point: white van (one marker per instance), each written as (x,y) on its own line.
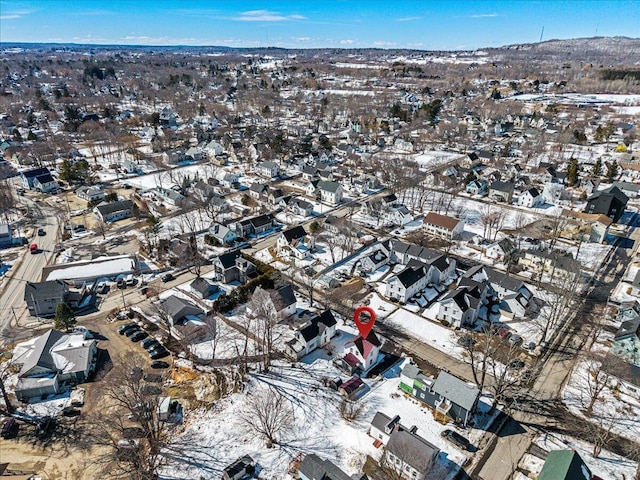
(130,280)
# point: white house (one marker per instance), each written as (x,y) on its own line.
(461,306)
(213,149)
(267,169)
(361,354)
(330,192)
(294,242)
(531,198)
(313,334)
(300,207)
(552,192)
(90,193)
(500,250)
(223,234)
(170,196)
(443,226)
(114,211)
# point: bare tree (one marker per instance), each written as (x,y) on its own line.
(264,308)
(601,370)
(269,414)
(101,227)
(130,428)
(558,308)
(4,373)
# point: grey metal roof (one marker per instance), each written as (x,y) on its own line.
(315,468)
(455,390)
(108,208)
(412,449)
(178,308)
(41,353)
(39,291)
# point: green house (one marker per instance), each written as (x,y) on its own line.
(564,465)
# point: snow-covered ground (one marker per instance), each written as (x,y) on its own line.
(618,404)
(219,436)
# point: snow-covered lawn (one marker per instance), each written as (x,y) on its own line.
(618,403)
(608,465)
(219,436)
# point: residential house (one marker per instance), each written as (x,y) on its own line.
(223,234)
(45,184)
(375,260)
(477,187)
(590,185)
(6,235)
(230,180)
(460,307)
(276,195)
(443,226)
(114,211)
(257,190)
(315,468)
(174,157)
(447,395)
(178,310)
(531,198)
(256,226)
(294,242)
(631,190)
(169,196)
(500,284)
(281,300)
(301,207)
(310,173)
(399,215)
(626,342)
(232,267)
(564,465)
(555,263)
(501,191)
(401,252)
(314,333)
(29,177)
(361,354)
(330,192)
(42,298)
(240,469)
(419,275)
(311,188)
(203,287)
(213,149)
(168,118)
(129,166)
(53,360)
(610,202)
(267,169)
(500,250)
(406,452)
(90,193)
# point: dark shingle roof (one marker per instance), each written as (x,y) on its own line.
(315,468)
(39,291)
(294,233)
(108,208)
(455,390)
(412,449)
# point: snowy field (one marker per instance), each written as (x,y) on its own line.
(219,437)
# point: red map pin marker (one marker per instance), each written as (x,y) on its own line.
(364,327)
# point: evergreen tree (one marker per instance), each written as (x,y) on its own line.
(64,319)
(596,171)
(612,171)
(572,172)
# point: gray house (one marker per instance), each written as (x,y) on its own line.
(53,359)
(239,469)
(42,298)
(6,237)
(447,395)
(178,309)
(203,287)
(315,468)
(114,211)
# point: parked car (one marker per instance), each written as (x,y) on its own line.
(167,277)
(139,335)
(122,329)
(159,364)
(529,346)
(121,283)
(9,428)
(504,333)
(455,438)
(132,331)
(149,343)
(41,232)
(515,340)
(102,288)
(516,364)
(158,353)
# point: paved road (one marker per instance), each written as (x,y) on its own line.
(28,267)
(542,403)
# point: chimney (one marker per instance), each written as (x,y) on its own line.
(413,430)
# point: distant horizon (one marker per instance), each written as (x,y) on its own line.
(270,47)
(436,25)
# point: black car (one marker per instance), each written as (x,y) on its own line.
(158,353)
(159,364)
(466,341)
(167,277)
(41,232)
(149,343)
(132,331)
(10,429)
(139,335)
(122,329)
(456,439)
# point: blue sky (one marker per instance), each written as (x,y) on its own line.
(427,24)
